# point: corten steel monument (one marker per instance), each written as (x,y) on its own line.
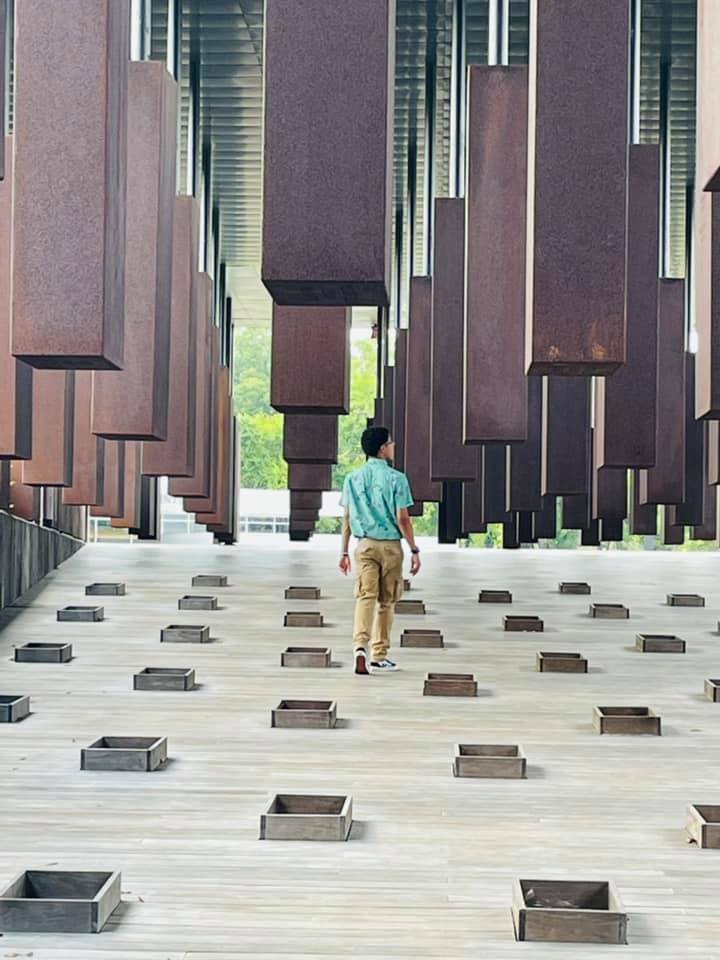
(538,262)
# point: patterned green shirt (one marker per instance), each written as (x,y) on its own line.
(373,495)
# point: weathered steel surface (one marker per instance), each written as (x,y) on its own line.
(712,443)
(450,526)
(310,438)
(305,500)
(329,79)
(643,517)
(625,403)
(544,520)
(88,476)
(417,409)
(24,501)
(609,497)
(198,485)
(131,485)
(691,511)
(494,484)
(309,476)
(114,487)
(310,360)
(133,403)
(175,456)
(53,402)
(3,71)
(222,461)
(15,376)
(399,387)
(708,529)
(665,482)
(523,459)
(472,503)
(511,533)
(673,534)
(565,447)
(708,71)
(706,262)
(495,407)
(388,399)
(577,176)
(576,512)
(449,459)
(70,192)
(590,535)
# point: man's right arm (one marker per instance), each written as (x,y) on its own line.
(406,528)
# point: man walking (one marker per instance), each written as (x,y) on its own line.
(376,499)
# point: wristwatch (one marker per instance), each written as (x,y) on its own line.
(415,550)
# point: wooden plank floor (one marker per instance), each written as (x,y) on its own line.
(427,872)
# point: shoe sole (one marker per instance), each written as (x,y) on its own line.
(361,667)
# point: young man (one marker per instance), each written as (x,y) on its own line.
(376,499)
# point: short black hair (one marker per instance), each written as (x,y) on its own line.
(372,439)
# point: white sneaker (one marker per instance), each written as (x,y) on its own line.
(382,666)
(361,661)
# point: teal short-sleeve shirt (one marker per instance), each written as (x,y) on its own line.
(373,495)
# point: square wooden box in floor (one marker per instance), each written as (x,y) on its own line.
(631,720)
(295,618)
(450,685)
(302,593)
(557,662)
(59,901)
(489,760)
(703,825)
(307,817)
(568,911)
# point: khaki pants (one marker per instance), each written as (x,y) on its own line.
(378,587)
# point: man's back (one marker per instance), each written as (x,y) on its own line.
(373,495)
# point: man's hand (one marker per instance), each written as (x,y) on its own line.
(414,563)
(345,565)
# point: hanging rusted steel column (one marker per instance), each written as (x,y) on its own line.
(326,212)
(114,487)
(665,482)
(417,409)
(70,194)
(495,387)
(544,520)
(310,360)
(708,71)
(577,182)
(53,402)
(175,456)
(399,387)
(88,476)
(15,376)
(494,481)
(643,517)
(309,476)
(310,438)
(198,484)
(712,443)
(625,403)
(609,494)
(472,503)
(673,534)
(706,251)
(691,511)
(449,458)
(130,517)
(133,403)
(24,499)
(524,459)
(565,435)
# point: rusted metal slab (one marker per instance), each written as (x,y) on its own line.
(712,442)
(130,518)
(399,387)
(449,458)
(576,512)
(24,500)
(673,534)
(524,459)
(625,403)
(577,180)
(326,212)
(198,485)
(691,511)
(70,192)
(133,403)
(544,521)
(706,262)
(708,71)
(305,500)
(175,456)
(665,482)
(53,402)
(114,489)
(309,476)
(88,476)
(643,517)
(15,376)
(310,360)
(495,407)
(418,383)
(494,471)
(472,503)
(565,447)
(223,459)
(310,438)
(609,493)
